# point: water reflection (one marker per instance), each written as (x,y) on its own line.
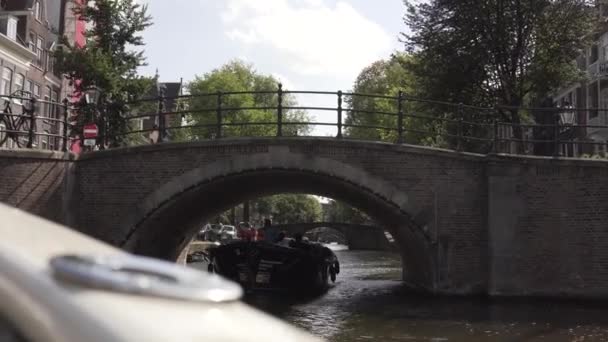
(368,303)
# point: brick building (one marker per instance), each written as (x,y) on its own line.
(29,33)
(170,91)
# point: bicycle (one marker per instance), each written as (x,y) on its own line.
(16,126)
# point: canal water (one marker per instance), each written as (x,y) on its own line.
(368,303)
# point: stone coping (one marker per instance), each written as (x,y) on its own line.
(37,154)
(329,141)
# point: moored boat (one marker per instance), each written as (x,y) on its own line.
(259,265)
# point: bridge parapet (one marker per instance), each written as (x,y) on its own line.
(357,236)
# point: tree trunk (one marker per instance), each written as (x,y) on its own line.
(544,135)
(246,211)
(518,132)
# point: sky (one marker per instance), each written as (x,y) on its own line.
(306,44)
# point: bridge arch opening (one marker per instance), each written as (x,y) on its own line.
(173,214)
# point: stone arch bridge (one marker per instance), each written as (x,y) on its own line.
(357,236)
(464,223)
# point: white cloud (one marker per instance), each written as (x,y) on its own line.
(308,36)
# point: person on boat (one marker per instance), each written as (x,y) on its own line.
(298,242)
(245,231)
(282,240)
(270,232)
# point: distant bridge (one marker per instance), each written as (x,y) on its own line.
(357,236)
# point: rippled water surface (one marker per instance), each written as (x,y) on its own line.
(368,303)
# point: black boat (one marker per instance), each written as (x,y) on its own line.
(259,265)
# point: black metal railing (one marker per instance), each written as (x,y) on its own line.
(407,119)
(397,118)
(28,122)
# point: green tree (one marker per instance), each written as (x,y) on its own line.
(387,78)
(496,52)
(337,211)
(282,208)
(239,109)
(107,61)
(296,208)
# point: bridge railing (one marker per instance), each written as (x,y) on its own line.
(29,122)
(397,118)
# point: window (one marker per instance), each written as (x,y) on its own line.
(593,100)
(47,99)
(44,141)
(55,107)
(50,62)
(594,54)
(36,91)
(39,51)
(5,83)
(37,10)
(32,42)
(2,132)
(19,79)
(27,88)
(11,28)
(604,104)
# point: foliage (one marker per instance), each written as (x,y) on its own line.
(599,156)
(260,108)
(337,211)
(496,52)
(107,60)
(388,77)
(295,208)
(282,209)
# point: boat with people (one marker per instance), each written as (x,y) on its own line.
(282,265)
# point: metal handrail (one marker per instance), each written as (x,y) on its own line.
(455,123)
(459,125)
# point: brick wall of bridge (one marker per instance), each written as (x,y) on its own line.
(447,191)
(497,225)
(548,227)
(35,181)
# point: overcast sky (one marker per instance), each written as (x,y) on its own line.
(307,44)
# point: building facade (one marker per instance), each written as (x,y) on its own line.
(30,31)
(590,96)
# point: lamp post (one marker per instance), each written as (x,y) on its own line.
(92,96)
(567,119)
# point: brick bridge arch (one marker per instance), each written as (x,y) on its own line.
(151,199)
(496,224)
(357,236)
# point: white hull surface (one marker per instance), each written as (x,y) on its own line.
(42,307)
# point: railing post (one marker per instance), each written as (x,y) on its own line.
(218,132)
(280,111)
(495,147)
(339,136)
(65,125)
(556,133)
(32,113)
(459,128)
(400,117)
(161,116)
